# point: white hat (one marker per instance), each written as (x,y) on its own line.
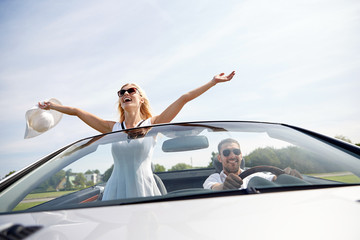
(39,120)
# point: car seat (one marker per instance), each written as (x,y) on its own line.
(158,181)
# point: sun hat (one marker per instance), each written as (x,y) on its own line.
(39,120)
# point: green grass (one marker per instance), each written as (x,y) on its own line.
(33,196)
(24,206)
(344,179)
(47,195)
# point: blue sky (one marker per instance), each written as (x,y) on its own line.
(297,62)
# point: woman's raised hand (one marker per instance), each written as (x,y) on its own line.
(222,78)
(44,105)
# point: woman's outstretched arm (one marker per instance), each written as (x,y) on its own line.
(93,121)
(170,112)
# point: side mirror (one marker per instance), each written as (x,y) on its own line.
(185,143)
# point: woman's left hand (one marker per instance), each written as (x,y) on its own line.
(222,78)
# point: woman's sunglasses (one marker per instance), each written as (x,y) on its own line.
(227,152)
(131,91)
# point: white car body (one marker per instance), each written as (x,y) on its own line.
(323,209)
(311,214)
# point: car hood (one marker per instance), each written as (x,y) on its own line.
(331,213)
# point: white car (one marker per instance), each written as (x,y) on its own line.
(65,195)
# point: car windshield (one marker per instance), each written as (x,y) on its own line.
(169,161)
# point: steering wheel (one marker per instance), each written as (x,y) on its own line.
(274,170)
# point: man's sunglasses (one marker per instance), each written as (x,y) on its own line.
(227,152)
(130,91)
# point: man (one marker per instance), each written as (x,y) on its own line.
(230,156)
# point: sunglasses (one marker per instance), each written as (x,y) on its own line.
(130,91)
(227,152)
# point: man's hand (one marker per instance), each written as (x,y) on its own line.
(292,172)
(232,181)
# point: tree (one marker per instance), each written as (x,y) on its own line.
(80,180)
(68,185)
(342,137)
(107,173)
(57,178)
(291,156)
(180,166)
(263,156)
(9,173)
(96,171)
(214,156)
(89,183)
(52,183)
(159,168)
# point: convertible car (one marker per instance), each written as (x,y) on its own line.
(65,195)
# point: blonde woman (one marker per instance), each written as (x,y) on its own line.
(132,175)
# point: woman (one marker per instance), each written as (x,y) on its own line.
(132,175)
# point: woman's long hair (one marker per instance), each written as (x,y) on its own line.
(145,109)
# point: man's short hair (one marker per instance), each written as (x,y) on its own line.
(227,140)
